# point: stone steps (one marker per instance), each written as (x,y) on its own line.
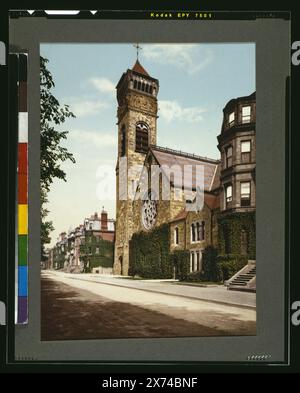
(241,280)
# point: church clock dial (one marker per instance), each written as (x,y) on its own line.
(149,213)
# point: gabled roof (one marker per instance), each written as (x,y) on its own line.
(139,69)
(216,178)
(169,157)
(212,201)
(180,216)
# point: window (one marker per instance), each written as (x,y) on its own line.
(228,193)
(176,236)
(245,194)
(97,250)
(229,156)
(199,260)
(141,138)
(123,141)
(135,84)
(90,250)
(200,230)
(246,114)
(231,118)
(246,151)
(192,261)
(91,226)
(193,233)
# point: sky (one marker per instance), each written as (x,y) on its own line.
(196,82)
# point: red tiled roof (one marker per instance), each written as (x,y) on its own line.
(139,68)
(180,216)
(169,157)
(212,201)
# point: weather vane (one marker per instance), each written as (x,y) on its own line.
(138,48)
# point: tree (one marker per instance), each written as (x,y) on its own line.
(52,153)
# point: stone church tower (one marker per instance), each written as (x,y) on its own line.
(137,115)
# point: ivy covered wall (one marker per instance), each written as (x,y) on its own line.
(149,255)
(237,234)
(95,252)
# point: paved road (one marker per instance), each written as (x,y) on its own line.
(84,309)
(212,293)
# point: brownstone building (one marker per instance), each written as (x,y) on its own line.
(229,183)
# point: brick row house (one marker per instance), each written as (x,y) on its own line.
(87,248)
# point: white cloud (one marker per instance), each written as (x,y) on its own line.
(172,110)
(85,107)
(103,85)
(94,138)
(190,57)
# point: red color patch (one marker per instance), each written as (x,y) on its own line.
(22,189)
(22,158)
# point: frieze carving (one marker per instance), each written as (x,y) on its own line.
(142,103)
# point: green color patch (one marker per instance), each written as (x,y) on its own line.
(22,250)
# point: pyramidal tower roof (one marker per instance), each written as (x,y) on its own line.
(139,69)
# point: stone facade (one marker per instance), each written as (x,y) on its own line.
(134,106)
(229,183)
(184,240)
(240,168)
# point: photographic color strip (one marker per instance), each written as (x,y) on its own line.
(22,182)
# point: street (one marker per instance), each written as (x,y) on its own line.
(78,306)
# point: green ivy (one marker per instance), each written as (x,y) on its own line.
(230,227)
(230,264)
(181,261)
(149,255)
(90,258)
(210,268)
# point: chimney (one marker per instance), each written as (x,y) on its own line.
(103,220)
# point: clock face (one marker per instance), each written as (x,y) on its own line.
(149,213)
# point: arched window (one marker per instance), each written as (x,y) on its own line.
(143,86)
(135,84)
(176,236)
(200,230)
(139,86)
(147,88)
(151,90)
(123,141)
(193,233)
(141,138)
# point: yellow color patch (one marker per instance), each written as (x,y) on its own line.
(22,219)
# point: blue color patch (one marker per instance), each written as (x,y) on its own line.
(22,281)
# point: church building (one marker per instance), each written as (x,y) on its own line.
(226,220)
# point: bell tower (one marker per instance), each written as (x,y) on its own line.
(137,117)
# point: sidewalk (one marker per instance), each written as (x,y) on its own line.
(216,294)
